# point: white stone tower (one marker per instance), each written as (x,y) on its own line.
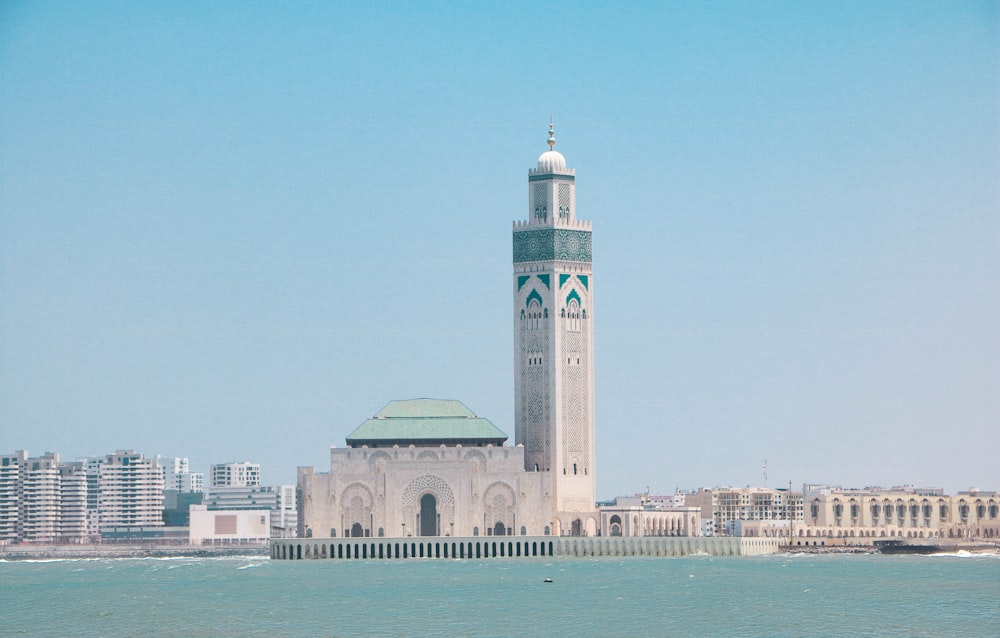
(554,342)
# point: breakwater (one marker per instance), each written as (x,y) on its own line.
(56,552)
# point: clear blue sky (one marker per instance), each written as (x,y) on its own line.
(233,231)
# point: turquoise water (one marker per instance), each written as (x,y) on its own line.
(788,595)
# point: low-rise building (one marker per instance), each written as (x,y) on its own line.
(860,515)
(229,527)
(641,516)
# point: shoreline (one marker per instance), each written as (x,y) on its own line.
(80,552)
(77,552)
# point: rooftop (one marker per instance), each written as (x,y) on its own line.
(426,422)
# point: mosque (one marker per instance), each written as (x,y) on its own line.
(428,467)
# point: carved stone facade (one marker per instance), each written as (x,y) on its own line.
(424,491)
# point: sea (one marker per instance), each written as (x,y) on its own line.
(801,595)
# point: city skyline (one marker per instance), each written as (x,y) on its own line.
(234,234)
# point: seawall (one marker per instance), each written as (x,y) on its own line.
(479,547)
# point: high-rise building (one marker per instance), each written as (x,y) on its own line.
(554,338)
(131,491)
(10,495)
(73,502)
(178,476)
(40,499)
(235,475)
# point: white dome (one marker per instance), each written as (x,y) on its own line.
(551,161)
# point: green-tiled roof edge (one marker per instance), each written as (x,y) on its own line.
(411,408)
(425,419)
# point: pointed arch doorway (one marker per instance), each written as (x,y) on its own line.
(428,517)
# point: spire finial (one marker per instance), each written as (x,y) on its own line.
(552,134)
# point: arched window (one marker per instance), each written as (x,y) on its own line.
(573,314)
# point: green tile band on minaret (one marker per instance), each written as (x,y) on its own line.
(545,244)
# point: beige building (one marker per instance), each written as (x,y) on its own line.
(860,515)
(235,527)
(641,516)
(731,508)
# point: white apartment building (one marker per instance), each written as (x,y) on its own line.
(39,505)
(177,475)
(42,500)
(131,491)
(235,475)
(10,496)
(73,502)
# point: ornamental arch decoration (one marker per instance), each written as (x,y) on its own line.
(499,505)
(356,503)
(444,497)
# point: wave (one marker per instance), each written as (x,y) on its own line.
(967,554)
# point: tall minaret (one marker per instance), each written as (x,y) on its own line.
(554,341)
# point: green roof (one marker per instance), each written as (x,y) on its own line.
(426,422)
